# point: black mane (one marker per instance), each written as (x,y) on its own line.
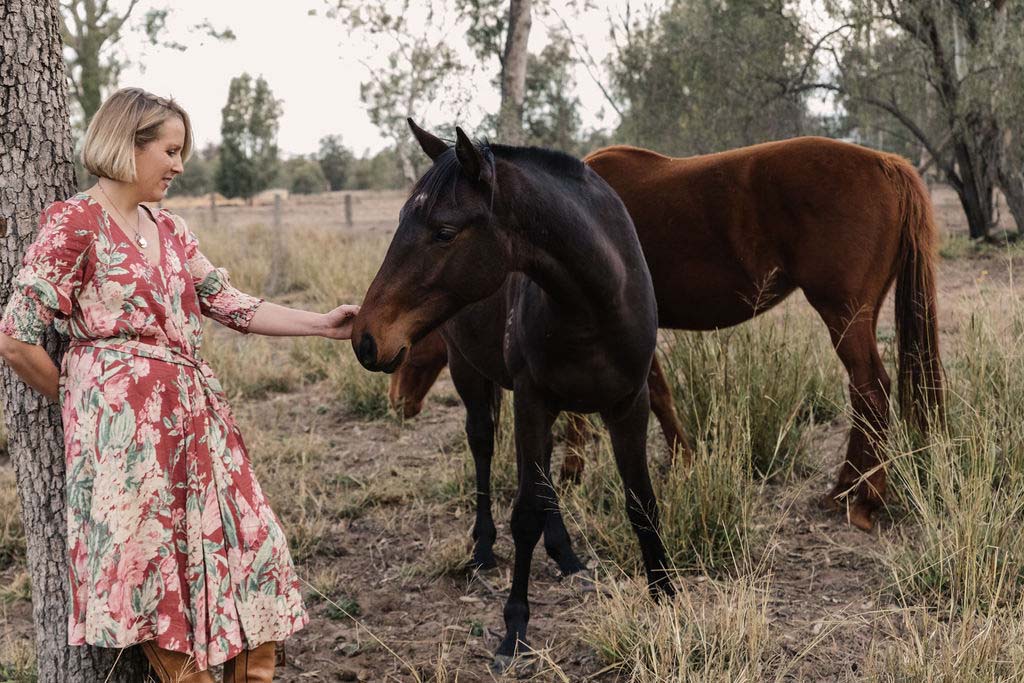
(439,178)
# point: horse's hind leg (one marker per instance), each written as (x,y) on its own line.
(556,536)
(853,336)
(480,397)
(664,409)
(629,443)
(577,436)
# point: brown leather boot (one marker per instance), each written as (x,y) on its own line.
(252,666)
(174,667)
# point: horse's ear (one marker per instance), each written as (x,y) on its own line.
(473,163)
(431,144)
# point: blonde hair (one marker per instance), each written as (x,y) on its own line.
(128,119)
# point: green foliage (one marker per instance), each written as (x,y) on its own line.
(302,176)
(91,30)
(704,75)
(248,152)
(382,171)
(421,68)
(335,161)
(550,109)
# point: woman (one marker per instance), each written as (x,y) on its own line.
(172,544)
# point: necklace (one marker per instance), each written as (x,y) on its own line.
(139,239)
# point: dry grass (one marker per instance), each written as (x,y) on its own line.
(709,632)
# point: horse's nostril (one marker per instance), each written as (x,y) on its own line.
(367,351)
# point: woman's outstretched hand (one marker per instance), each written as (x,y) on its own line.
(338,323)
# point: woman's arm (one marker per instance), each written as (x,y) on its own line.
(280,321)
(32,364)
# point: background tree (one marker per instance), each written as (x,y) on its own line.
(91,30)
(936,72)
(335,161)
(302,176)
(380,171)
(702,75)
(199,173)
(248,150)
(550,108)
(513,72)
(35,170)
(421,68)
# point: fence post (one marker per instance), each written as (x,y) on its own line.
(348,210)
(213,208)
(277,212)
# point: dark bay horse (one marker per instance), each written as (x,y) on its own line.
(531,263)
(727,236)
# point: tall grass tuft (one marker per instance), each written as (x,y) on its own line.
(713,632)
(12,531)
(778,372)
(976,647)
(963,490)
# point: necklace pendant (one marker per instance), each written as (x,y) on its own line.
(141,241)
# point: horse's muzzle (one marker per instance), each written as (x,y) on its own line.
(366,352)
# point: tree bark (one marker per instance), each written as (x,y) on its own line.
(1011,182)
(513,73)
(36,169)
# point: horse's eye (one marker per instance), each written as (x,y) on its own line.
(446,234)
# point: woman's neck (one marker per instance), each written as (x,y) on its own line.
(121,195)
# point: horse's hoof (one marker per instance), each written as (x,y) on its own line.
(502,663)
(581,582)
(483,558)
(860,516)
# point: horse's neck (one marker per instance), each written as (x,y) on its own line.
(582,267)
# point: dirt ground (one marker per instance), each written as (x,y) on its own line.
(824,575)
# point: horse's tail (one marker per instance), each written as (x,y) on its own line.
(917,332)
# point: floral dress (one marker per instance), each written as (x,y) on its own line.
(169,534)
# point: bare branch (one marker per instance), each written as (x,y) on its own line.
(588,61)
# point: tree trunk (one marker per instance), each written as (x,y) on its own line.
(1011,182)
(513,73)
(36,169)
(975,190)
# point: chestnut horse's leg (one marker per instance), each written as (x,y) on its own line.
(855,343)
(577,436)
(533,421)
(628,431)
(481,398)
(664,408)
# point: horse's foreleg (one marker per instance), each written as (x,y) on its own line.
(533,421)
(478,396)
(629,443)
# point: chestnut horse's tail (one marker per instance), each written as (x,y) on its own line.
(917,332)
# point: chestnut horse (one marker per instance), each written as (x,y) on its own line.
(531,263)
(727,236)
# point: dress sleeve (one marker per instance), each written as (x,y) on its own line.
(218,299)
(51,275)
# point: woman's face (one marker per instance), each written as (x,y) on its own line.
(159,161)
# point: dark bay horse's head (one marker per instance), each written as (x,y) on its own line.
(447,252)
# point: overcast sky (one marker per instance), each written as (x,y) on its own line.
(313,64)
